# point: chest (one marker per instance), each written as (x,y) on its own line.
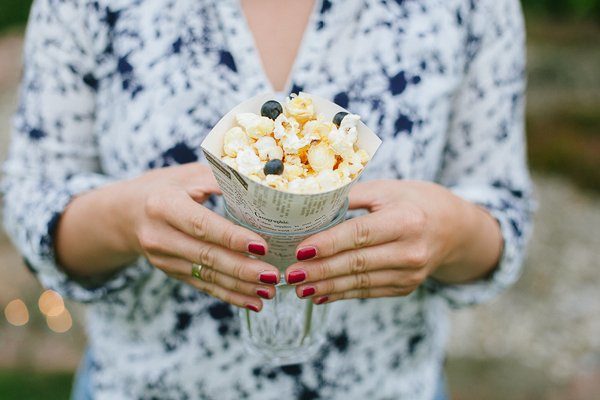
(169,75)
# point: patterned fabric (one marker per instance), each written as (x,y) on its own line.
(113,88)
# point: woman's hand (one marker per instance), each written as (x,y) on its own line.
(414,230)
(159,215)
(173,230)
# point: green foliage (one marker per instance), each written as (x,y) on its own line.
(13,13)
(566,142)
(564,8)
(19,385)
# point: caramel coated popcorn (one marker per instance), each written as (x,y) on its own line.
(293,148)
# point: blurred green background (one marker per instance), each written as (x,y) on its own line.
(538,342)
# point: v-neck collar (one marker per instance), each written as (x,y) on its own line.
(242,44)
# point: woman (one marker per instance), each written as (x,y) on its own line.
(117,94)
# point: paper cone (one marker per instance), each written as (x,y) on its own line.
(269,209)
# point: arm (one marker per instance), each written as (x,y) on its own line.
(75,225)
(463,238)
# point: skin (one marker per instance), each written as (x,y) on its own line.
(414,229)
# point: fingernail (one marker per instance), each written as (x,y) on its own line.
(252,307)
(264,293)
(296,276)
(322,300)
(308,291)
(257,248)
(306,253)
(269,277)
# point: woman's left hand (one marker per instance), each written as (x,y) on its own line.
(413,230)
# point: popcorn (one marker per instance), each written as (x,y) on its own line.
(293,171)
(235,140)
(297,150)
(276,181)
(248,162)
(317,129)
(285,126)
(293,143)
(230,161)
(255,125)
(300,108)
(268,149)
(321,157)
(307,185)
(343,139)
(329,180)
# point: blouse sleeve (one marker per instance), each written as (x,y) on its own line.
(484,159)
(53,154)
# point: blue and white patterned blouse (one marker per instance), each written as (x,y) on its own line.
(113,88)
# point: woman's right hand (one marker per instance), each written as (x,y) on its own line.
(173,229)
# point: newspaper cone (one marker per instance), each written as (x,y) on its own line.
(269,209)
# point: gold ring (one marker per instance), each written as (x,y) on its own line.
(196,269)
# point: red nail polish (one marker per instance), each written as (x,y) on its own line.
(252,307)
(308,291)
(296,276)
(257,248)
(269,277)
(306,253)
(263,293)
(322,300)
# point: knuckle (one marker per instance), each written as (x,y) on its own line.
(154,205)
(199,225)
(224,295)
(208,275)
(159,263)
(362,234)
(238,268)
(417,219)
(418,257)
(358,262)
(148,240)
(364,293)
(237,285)
(362,281)
(206,255)
(330,241)
(228,236)
(330,286)
(414,279)
(323,270)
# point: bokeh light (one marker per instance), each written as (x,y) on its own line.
(51,303)
(60,323)
(16,313)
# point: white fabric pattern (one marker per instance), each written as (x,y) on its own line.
(113,88)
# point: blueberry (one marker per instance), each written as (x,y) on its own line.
(337,118)
(274,167)
(271,109)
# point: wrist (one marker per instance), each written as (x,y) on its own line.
(477,245)
(122,201)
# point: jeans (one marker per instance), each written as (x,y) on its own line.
(82,386)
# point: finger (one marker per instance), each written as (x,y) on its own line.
(184,214)
(228,296)
(389,277)
(175,266)
(365,294)
(386,256)
(362,195)
(364,231)
(171,242)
